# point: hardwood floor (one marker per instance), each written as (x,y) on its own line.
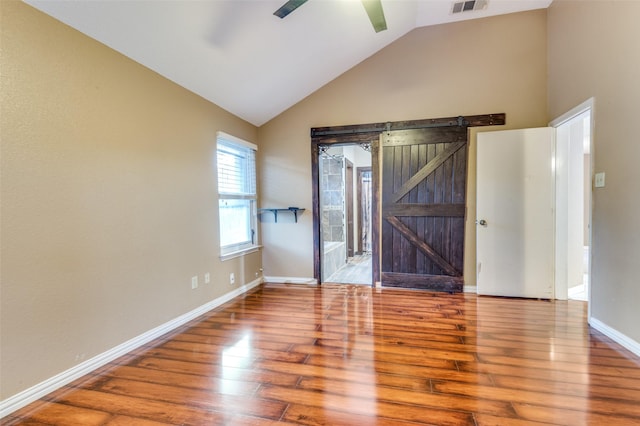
(353,355)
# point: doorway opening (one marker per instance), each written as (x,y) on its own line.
(345,213)
(573,203)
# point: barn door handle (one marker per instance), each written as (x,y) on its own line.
(481,222)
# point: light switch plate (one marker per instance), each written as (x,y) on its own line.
(599,180)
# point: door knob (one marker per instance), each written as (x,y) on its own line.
(481,222)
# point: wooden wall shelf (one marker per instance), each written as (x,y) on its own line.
(275,211)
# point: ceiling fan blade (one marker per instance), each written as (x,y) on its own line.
(376,14)
(289,7)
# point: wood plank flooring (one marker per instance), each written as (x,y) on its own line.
(353,355)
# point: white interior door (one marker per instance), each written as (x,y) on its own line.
(515,218)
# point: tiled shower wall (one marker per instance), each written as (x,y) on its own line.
(332,206)
(332,199)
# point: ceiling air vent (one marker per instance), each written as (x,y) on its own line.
(469,5)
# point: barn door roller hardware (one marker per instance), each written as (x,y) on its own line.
(460,121)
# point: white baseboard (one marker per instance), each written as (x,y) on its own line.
(615,335)
(470,289)
(291,280)
(36,392)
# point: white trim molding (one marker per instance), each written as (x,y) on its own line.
(291,280)
(470,289)
(234,139)
(615,335)
(36,392)
(587,105)
(240,253)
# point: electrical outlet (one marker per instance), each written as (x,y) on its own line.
(207,278)
(194,282)
(232,278)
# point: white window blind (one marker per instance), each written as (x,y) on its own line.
(236,169)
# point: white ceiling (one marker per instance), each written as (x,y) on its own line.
(238,55)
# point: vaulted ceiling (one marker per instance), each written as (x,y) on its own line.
(238,55)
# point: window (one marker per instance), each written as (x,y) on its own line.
(236,161)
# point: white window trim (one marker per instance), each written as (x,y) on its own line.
(239,253)
(231,138)
(255,247)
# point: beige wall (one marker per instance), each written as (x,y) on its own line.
(475,67)
(108,199)
(593,52)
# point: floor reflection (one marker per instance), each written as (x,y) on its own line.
(349,323)
(233,360)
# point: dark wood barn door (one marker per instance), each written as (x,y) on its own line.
(424,174)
